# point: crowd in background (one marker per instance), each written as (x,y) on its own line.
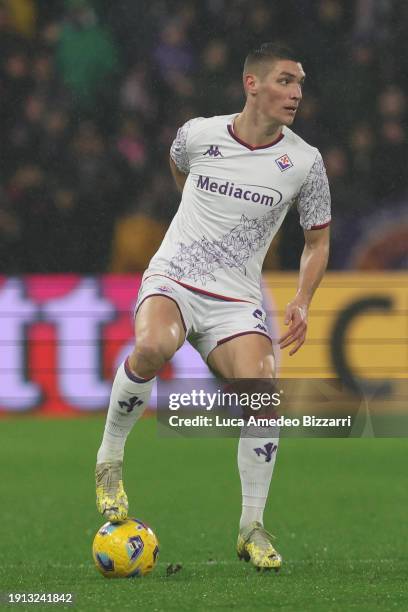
(93,91)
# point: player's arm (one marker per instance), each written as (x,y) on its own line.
(314,210)
(313,264)
(179,176)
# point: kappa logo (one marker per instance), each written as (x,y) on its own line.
(267,451)
(261,316)
(260,326)
(284,162)
(131,404)
(165,289)
(213,151)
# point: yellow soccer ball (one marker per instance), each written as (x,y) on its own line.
(125,550)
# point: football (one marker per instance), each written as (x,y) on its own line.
(128,549)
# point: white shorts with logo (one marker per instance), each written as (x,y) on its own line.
(208,321)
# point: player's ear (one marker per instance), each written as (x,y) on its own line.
(250,83)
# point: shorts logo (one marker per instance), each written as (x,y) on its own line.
(213,151)
(258,314)
(262,327)
(284,162)
(165,289)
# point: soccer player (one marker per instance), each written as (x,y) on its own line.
(239,174)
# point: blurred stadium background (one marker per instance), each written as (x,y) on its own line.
(92,92)
(91,95)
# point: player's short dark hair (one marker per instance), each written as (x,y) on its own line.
(269,52)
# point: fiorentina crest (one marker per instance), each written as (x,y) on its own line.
(284,162)
(267,450)
(130,405)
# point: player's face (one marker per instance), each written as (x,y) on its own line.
(279,92)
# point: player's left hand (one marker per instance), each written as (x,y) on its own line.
(296,318)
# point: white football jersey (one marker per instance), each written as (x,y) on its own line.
(233,203)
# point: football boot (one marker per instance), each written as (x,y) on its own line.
(254,544)
(111,499)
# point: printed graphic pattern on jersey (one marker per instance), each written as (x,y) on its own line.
(314,197)
(178,149)
(199,260)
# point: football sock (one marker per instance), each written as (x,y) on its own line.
(257,450)
(129,397)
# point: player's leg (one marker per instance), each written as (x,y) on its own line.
(251,356)
(159,332)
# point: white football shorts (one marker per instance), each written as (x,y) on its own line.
(208,321)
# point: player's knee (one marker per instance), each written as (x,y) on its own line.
(149,355)
(268,368)
(261,368)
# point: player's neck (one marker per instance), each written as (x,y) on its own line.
(254,129)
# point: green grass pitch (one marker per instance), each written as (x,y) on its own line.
(338,508)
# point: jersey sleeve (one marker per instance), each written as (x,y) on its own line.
(313,200)
(178,149)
